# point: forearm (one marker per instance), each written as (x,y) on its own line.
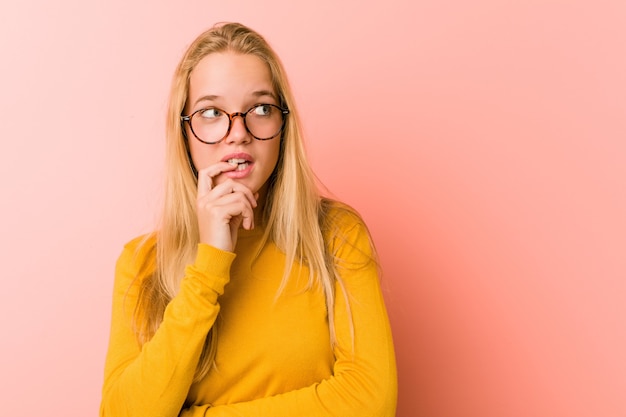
(154,380)
(363,382)
(340,396)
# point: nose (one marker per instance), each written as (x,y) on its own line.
(238,132)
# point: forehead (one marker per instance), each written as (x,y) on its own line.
(229,76)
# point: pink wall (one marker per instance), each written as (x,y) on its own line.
(484,143)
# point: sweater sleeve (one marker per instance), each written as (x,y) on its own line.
(364,381)
(139,381)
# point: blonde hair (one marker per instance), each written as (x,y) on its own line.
(295,214)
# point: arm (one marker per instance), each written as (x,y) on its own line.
(364,381)
(154,380)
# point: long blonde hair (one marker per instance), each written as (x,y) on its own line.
(295,214)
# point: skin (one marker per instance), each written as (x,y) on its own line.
(228,200)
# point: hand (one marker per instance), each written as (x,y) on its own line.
(222,208)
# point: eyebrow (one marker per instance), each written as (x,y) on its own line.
(262,93)
(256,94)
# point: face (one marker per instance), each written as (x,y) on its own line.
(233,82)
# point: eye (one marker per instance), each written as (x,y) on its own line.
(263,110)
(211,113)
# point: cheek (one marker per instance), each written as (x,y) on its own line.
(200,155)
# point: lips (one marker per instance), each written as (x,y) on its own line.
(241,164)
(242,161)
(238,158)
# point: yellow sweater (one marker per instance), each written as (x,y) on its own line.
(274,357)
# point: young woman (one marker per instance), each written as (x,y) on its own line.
(256,296)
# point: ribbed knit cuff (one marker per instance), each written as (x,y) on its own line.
(213,261)
(210,271)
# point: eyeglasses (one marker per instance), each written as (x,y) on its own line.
(211,125)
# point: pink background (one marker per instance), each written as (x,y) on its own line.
(483,142)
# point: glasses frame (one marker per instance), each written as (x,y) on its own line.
(231,117)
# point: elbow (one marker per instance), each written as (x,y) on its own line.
(373,393)
(384,396)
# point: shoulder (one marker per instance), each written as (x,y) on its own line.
(335,214)
(344,230)
(142,244)
(137,259)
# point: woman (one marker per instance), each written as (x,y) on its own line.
(256,296)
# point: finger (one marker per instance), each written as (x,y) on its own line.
(247,218)
(229,203)
(247,193)
(248,222)
(239,209)
(235,211)
(234,187)
(206,175)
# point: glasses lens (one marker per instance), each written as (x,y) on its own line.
(264,121)
(210,125)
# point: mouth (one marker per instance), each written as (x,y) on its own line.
(240,163)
